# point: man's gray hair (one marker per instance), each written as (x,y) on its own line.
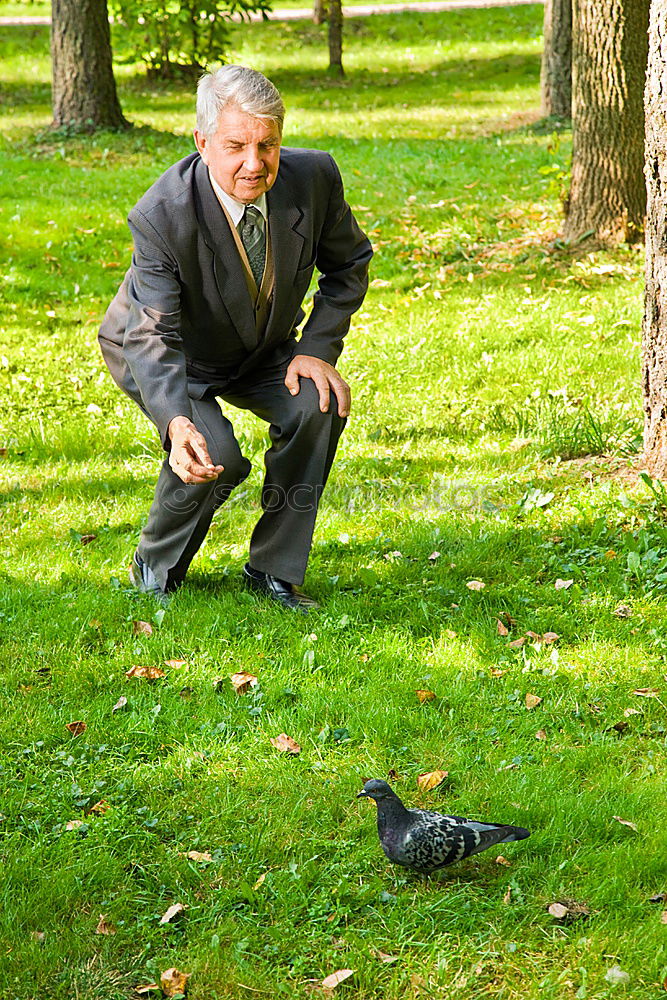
(242,87)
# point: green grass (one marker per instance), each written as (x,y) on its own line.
(485,365)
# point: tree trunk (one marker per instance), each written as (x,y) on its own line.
(556,76)
(654,348)
(607,198)
(319,11)
(336,38)
(84,89)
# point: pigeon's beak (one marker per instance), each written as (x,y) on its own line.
(362,794)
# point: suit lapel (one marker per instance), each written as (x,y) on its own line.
(229,274)
(285,218)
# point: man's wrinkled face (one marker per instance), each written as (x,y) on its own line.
(243,154)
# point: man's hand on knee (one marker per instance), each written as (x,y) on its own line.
(189,457)
(326,379)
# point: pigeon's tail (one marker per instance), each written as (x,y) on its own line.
(514,833)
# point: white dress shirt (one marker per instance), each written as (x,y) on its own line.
(235,209)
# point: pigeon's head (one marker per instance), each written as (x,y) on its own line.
(375,789)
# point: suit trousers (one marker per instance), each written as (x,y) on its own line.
(303,446)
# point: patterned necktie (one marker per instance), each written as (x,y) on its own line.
(253,241)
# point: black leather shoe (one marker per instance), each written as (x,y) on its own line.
(143,578)
(278,590)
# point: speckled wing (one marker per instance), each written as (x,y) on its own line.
(434,841)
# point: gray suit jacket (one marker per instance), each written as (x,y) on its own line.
(184,306)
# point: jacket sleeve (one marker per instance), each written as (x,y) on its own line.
(152,345)
(343,256)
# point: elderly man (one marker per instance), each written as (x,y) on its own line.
(225,244)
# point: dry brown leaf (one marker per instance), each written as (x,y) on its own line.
(336,978)
(563,584)
(99,807)
(497,672)
(507,898)
(423,696)
(626,822)
(631,711)
(104,927)
(199,856)
(174,910)
(285,744)
(619,727)
(431,779)
(38,936)
(74,824)
(475,585)
(433,556)
(659,897)
(646,692)
(147,673)
(550,637)
(241,682)
(517,643)
(393,775)
(384,957)
(173,982)
(175,664)
(500,860)
(87,539)
(142,628)
(260,881)
(622,611)
(120,704)
(147,988)
(533,700)
(501,628)
(663,917)
(567,910)
(76,728)
(541,734)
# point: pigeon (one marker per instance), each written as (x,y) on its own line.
(425,841)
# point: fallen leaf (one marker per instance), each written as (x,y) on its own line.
(175,664)
(260,881)
(199,856)
(475,585)
(431,779)
(563,584)
(384,957)
(619,727)
(567,910)
(74,824)
(148,673)
(100,807)
(103,927)
(500,860)
(507,898)
(549,637)
(219,683)
(622,611)
(646,692)
(336,978)
(423,696)
(660,897)
(663,917)
(631,711)
(120,704)
(393,775)
(76,728)
(497,672)
(241,682)
(285,744)
(38,936)
(626,822)
(142,628)
(532,700)
(147,988)
(172,912)
(433,556)
(517,643)
(540,734)
(501,629)
(173,982)
(616,976)
(87,539)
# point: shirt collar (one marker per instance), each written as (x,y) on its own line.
(236,208)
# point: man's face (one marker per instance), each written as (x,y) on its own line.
(243,155)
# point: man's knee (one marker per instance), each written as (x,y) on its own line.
(308,411)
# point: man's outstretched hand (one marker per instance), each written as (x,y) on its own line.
(325,377)
(189,457)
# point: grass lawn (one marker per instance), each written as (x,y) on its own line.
(497,416)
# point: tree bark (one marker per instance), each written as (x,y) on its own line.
(654,347)
(336,38)
(84,89)
(607,198)
(556,75)
(319,11)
